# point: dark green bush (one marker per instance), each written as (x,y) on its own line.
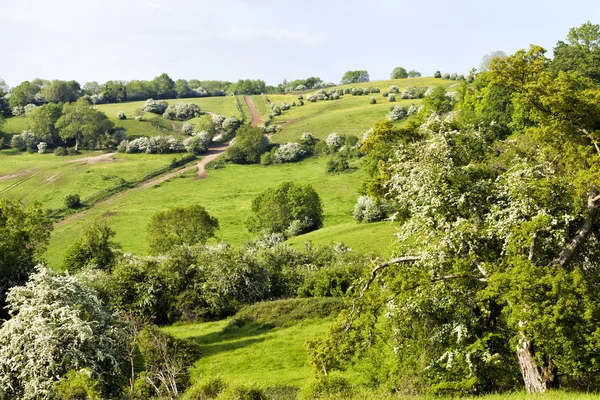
(337,164)
(72,201)
(328,388)
(60,151)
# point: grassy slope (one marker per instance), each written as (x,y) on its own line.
(349,115)
(275,357)
(48,178)
(151,124)
(227,194)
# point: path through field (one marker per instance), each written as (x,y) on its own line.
(212,153)
(106,157)
(255,114)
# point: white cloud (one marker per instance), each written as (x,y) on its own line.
(247,33)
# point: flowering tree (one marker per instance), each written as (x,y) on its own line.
(289,152)
(57,325)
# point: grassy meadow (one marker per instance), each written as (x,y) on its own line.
(227,194)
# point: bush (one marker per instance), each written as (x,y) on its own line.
(155,107)
(334,141)
(243,393)
(393,89)
(42,146)
(249,144)
(77,385)
(121,115)
(60,151)
(231,124)
(308,141)
(384,94)
(266,159)
(18,110)
(181,111)
(337,164)
(276,208)
(312,98)
(72,201)
(219,120)
(413,92)
(391,97)
(372,100)
(446,76)
(454,76)
(332,387)
(367,210)
(187,129)
(300,103)
(289,152)
(397,113)
(437,74)
(300,97)
(374,90)
(300,88)
(206,389)
(138,145)
(195,145)
(28,109)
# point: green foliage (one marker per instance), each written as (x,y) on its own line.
(334,387)
(42,123)
(94,248)
(580,53)
(83,123)
(72,201)
(78,385)
(24,235)
(399,73)
(242,392)
(337,164)
(180,225)
(57,325)
(439,101)
(206,389)
(275,209)
(61,91)
(250,143)
(355,77)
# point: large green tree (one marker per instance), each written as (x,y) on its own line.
(23,94)
(276,209)
(83,123)
(249,144)
(94,247)
(180,225)
(580,52)
(42,123)
(164,86)
(356,76)
(399,73)
(61,91)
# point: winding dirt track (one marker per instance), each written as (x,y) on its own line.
(212,153)
(253,110)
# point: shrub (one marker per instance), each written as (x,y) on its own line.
(249,144)
(308,141)
(357,91)
(453,76)
(242,392)
(155,107)
(335,96)
(78,385)
(366,91)
(266,159)
(384,94)
(206,137)
(413,109)
(437,74)
(397,113)
(289,152)
(276,208)
(300,103)
(121,115)
(138,145)
(414,92)
(446,76)
(300,97)
(219,119)
(374,90)
(72,200)
(60,151)
(334,141)
(205,389)
(42,146)
(367,210)
(337,164)
(18,110)
(181,111)
(332,387)
(231,124)
(391,97)
(312,98)
(195,145)
(28,109)
(372,100)
(276,111)
(300,87)
(187,129)
(393,89)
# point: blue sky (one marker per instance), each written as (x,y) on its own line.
(269,40)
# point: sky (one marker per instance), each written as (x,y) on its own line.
(270,40)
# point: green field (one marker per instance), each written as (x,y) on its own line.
(227,194)
(47,178)
(151,124)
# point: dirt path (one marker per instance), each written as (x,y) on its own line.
(255,114)
(212,153)
(107,157)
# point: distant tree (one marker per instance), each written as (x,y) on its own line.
(164,86)
(250,143)
(61,91)
(248,86)
(414,74)
(437,74)
(182,88)
(486,61)
(91,88)
(275,209)
(23,94)
(399,73)
(58,325)
(42,123)
(83,123)
(24,235)
(355,77)
(114,91)
(581,52)
(180,225)
(94,247)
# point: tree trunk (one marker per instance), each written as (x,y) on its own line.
(530,371)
